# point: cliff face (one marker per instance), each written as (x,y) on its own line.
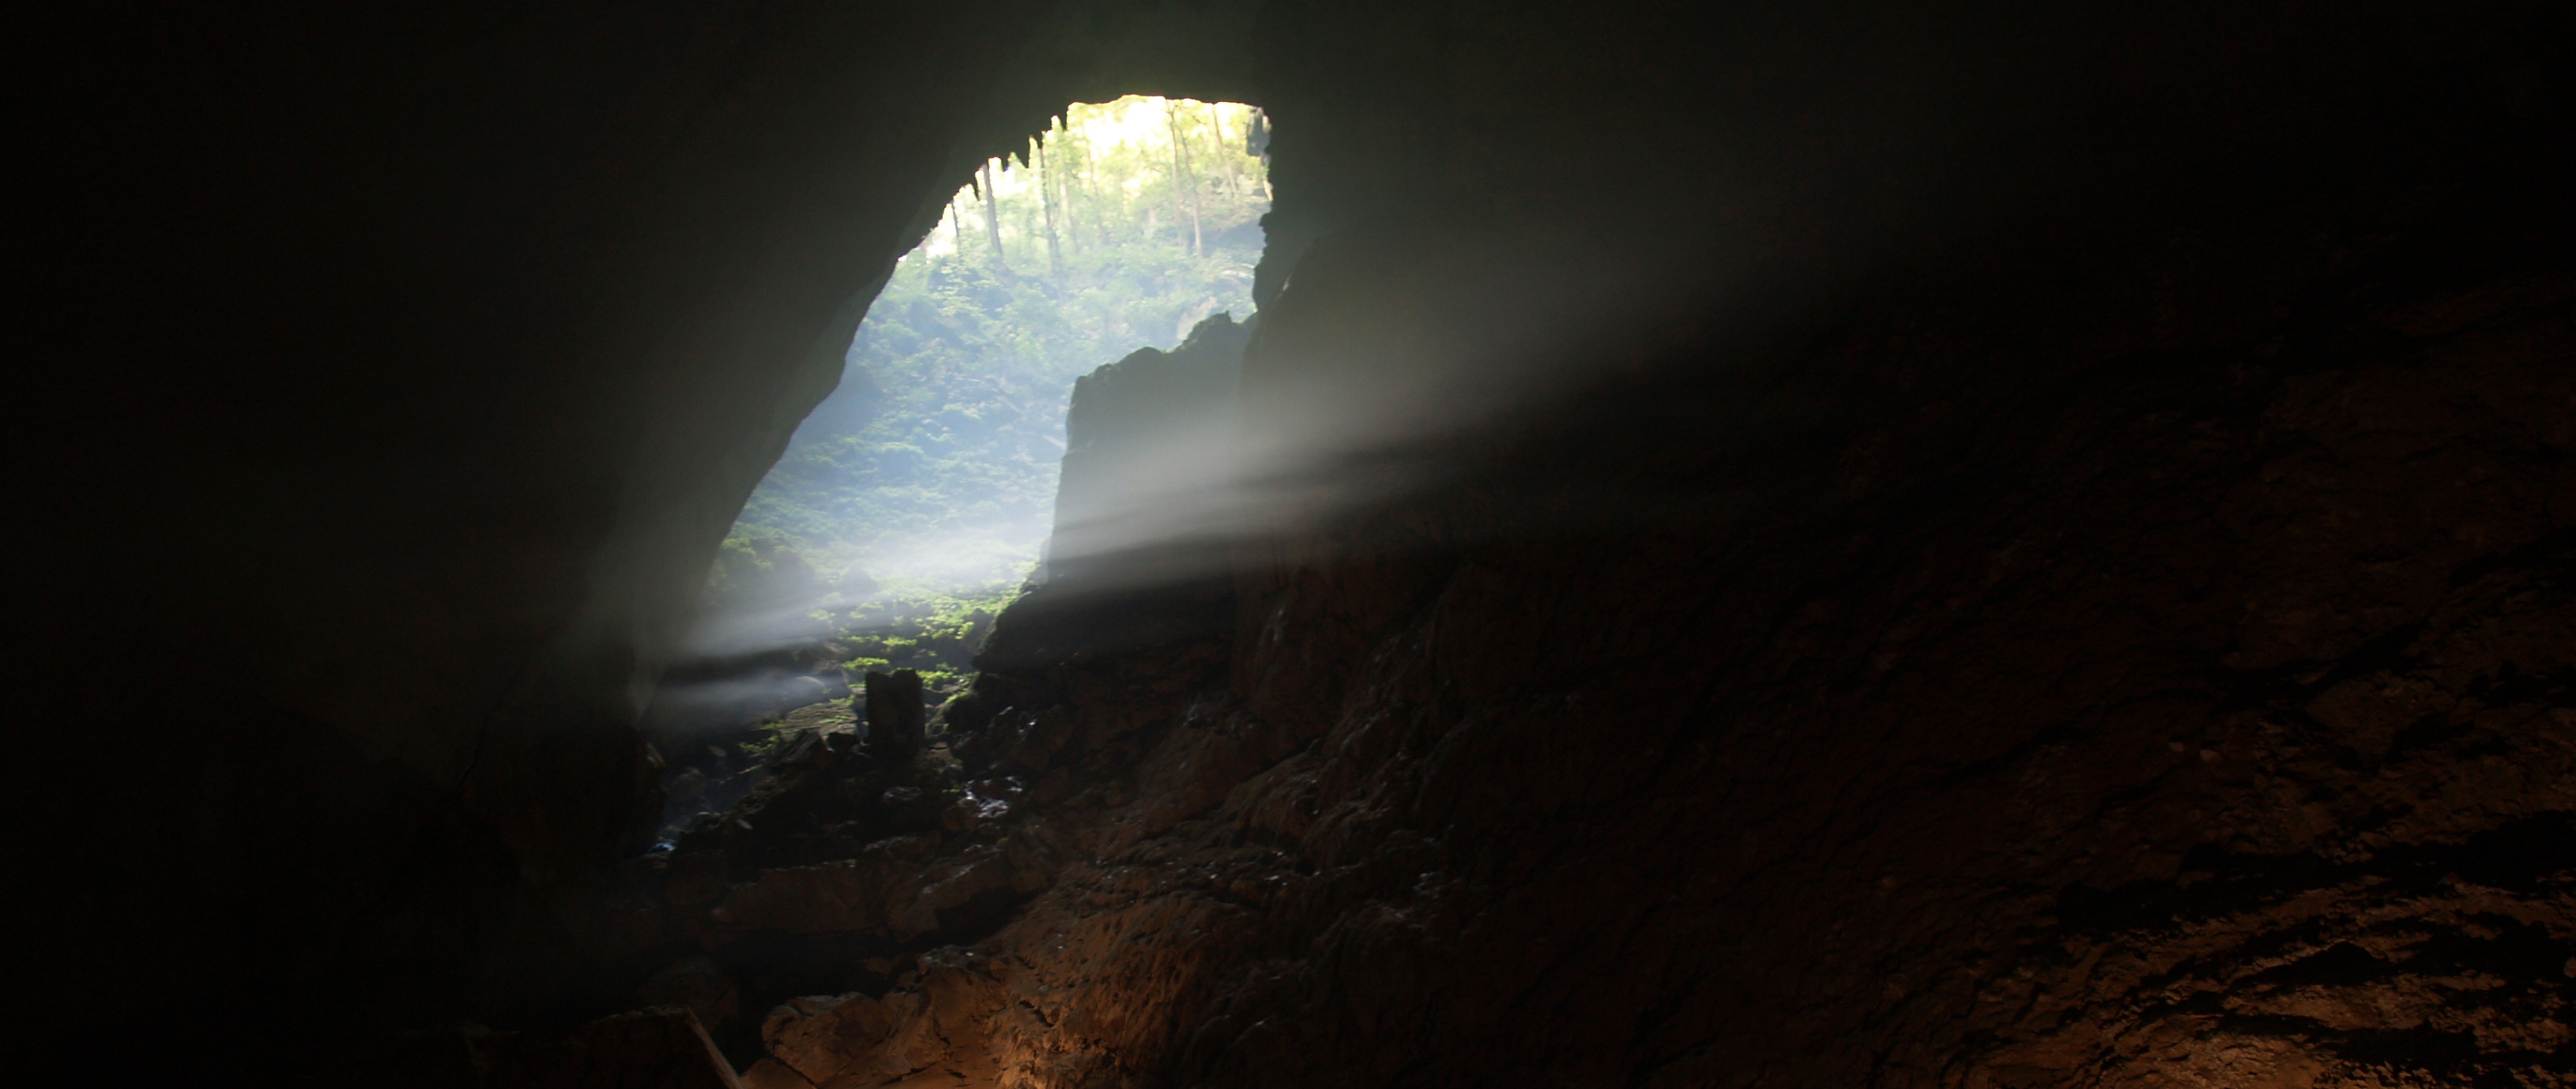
(1978,545)
(1147,466)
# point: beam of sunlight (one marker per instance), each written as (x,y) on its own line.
(925,487)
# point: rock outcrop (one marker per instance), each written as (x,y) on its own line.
(896,717)
(1149,489)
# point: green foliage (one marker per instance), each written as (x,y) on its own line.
(770,734)
(933,632)
(757,568)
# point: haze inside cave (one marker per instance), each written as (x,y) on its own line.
(917,500)
(930,474)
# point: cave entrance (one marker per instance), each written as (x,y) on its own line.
(915,502)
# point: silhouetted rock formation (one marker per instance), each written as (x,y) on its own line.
(1140,563)
(895,715)
(1148,493)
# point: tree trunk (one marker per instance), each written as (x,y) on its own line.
(1081,182)
(1216,138)
(992,214)
(1064,192)
(1181,176)
(1046,205)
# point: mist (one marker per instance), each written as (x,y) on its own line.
(919,498)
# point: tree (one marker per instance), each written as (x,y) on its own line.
(1216,135)
(1055,256)
(947,470)
(1183,176)
(992,213)
(1066,142)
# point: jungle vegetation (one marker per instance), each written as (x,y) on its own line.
(915,499)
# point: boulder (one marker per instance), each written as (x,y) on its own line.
(897,718)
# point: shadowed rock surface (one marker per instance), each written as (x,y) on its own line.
(1147,476)
(1980,544)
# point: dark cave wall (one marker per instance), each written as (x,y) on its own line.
(437,346)
(399,370)
(1975,653)
(2042,728)
(1837,454)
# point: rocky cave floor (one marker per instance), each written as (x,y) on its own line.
(800,924)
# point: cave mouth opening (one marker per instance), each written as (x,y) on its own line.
(917,500)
